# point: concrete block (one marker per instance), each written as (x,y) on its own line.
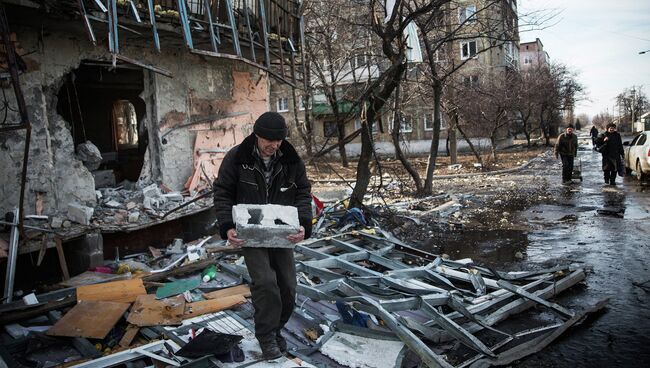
(80,214)
(134,217)
(104,178)
(265,226)
(56,222)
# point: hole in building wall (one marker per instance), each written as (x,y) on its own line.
(103,105)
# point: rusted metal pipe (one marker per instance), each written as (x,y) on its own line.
(22,109)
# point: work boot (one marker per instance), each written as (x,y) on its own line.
(269,346)
(282,343)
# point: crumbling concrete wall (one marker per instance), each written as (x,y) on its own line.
(201,88)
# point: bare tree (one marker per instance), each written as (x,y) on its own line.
(339,51)
(632,102)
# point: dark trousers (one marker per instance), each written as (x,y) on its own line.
(610,176)
(567,167)
(273,287)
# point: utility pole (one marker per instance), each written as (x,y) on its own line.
(633,107)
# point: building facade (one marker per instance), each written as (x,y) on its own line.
(486,41)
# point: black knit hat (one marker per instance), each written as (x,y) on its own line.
(271,126)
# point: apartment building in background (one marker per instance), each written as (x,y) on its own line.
(488,42)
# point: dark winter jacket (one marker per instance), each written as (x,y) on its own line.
(566,145)
(241,181)
(613,147)
(612,150)
(593,132)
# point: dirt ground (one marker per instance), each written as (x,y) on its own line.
(481,201)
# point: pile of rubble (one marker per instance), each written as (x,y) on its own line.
(365,299)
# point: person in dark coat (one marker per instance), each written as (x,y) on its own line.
(610,145)
(266,169)
(594,134)
(566,148)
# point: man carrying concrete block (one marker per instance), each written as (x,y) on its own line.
(265,169)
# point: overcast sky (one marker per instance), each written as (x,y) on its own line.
(599,39)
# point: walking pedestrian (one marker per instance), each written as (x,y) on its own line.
(266,169)
(610,145)
(594,134)
(566,148)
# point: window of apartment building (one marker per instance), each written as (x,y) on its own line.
(283,104)
(357,125)
(470,80)
(330,129)
(301,103)
(406,125)
(467,13)
(441,56)
(467,50)
(428,122)
(358,61)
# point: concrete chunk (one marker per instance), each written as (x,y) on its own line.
(265,226)
(80,214)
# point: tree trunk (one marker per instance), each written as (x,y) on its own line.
(470,144)
(435,139)
(493,144)
(398,149)
(340,131)
(453,144)
(363,167)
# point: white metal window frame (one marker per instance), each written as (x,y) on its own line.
(282,105)
(404,128)
(470,55)
(428,117)
(467,13)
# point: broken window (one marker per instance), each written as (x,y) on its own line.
(467,49)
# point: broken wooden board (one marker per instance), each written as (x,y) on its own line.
(212,306)
(91,277)
(125,291)
(177,287)
(90,319)
(149,311)
(242,290)
(129,335)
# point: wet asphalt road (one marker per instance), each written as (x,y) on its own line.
(618,249)
(571,227)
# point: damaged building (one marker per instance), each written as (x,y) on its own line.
(131,107)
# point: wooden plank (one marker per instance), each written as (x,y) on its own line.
(62,262)
(91,319)
(212,306)
(91,277)
(149,311)
(242,290)
(125,291)
(129,335)
(34,311)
